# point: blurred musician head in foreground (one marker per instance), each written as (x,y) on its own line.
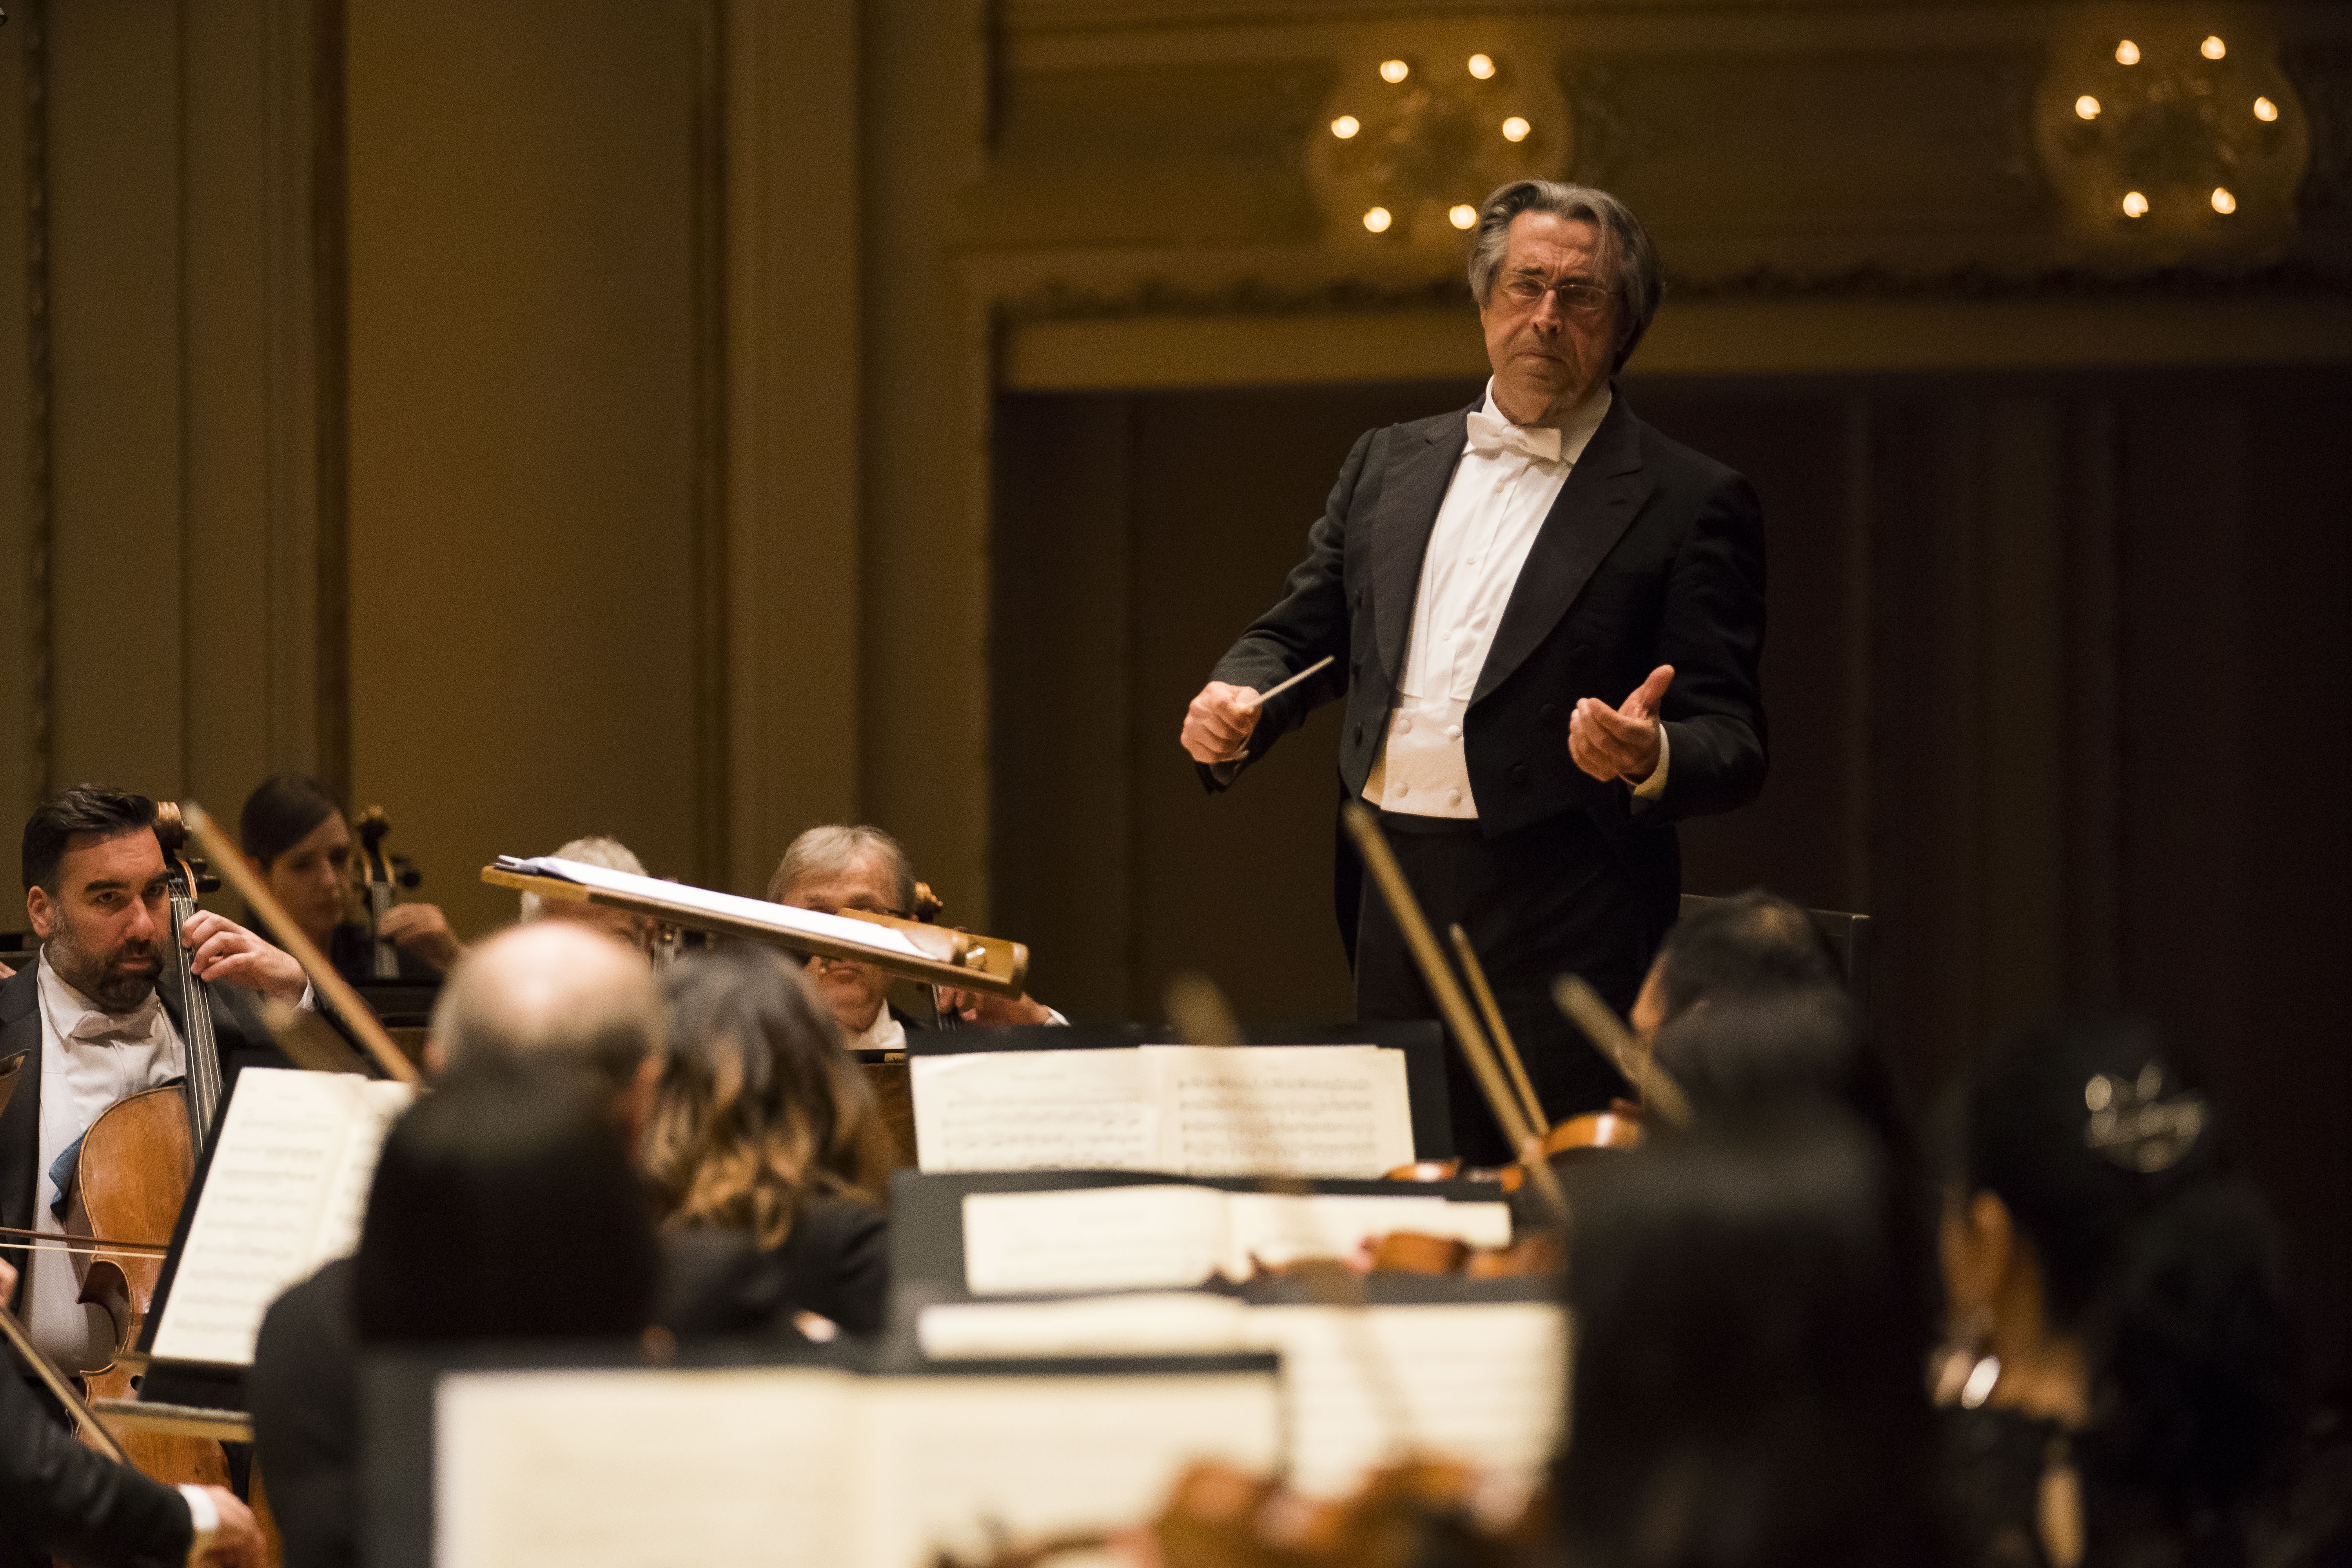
(2115,1292)
(562,995)
(1749,945)
(534,1022)
(1745,1382)
(1734,1056)
(504,1209)
(621,925)
(763,1127)
(846,866)
(294,834)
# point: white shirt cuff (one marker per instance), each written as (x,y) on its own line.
(309,1003)
(204,1518)
(1654,786)
(1053,1016)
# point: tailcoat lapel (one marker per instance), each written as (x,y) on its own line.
(1597,504)
(1421,467)
(20,1120)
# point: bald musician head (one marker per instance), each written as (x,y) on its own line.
(558,991)
(621,925)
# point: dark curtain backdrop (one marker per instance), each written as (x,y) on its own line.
(2057,672)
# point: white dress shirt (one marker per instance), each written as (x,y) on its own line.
(1504,488)
(885,1033)
(89,1060)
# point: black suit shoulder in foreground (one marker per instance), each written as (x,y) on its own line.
(59,1498)
(303,1392)
(834,1262)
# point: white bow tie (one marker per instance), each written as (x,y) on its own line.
(1491,437)
(104,1029)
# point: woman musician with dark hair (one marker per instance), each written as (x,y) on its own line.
(295,838)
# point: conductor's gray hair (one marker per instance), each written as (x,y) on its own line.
(830,850)
(609,853)
(1627,257)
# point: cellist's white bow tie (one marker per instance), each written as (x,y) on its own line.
(1491,437)
(94,1028)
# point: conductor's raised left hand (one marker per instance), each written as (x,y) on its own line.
(1620,742)
(221,950)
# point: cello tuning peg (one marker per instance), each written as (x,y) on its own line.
(403,872)
(208,884)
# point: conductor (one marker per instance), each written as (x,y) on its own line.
(1545,619)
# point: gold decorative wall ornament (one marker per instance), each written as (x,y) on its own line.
(2170,134)
(1418,130)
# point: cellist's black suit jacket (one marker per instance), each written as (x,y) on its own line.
(238,1030)
(1653,554)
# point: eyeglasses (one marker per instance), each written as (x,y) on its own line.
(1575,299)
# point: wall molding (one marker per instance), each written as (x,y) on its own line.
(712,818)
(330,329)
(40,478)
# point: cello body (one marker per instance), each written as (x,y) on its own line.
(130,1182)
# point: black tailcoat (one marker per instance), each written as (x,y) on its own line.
(1653,554)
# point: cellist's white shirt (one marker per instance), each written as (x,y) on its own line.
(89,1060)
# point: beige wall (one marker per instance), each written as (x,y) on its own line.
(522,416)
(674,332)
(180,423)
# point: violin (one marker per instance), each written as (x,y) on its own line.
(381,875)
(132,1177)
(1424,1513)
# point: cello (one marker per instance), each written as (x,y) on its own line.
(381,875)
(132,1177)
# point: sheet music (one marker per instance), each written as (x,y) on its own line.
(1036,1111)
(1483,1383)
(1480,1381)
(285,1192)
(1151,1322)
(1196,1110)
(642,1468)
(1095,1238)
(1170,1237)
(813,1467)
(780,917)
(1284,1110)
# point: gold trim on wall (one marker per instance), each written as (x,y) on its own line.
(40,501)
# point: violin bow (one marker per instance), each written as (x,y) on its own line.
(1389,878)
(1476,972)
(230,860)
(96,1246)
(1659,1091)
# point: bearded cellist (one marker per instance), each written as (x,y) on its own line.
(98,1016)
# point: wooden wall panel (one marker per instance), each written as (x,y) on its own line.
(522,446)
(120,593)
(17,612)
